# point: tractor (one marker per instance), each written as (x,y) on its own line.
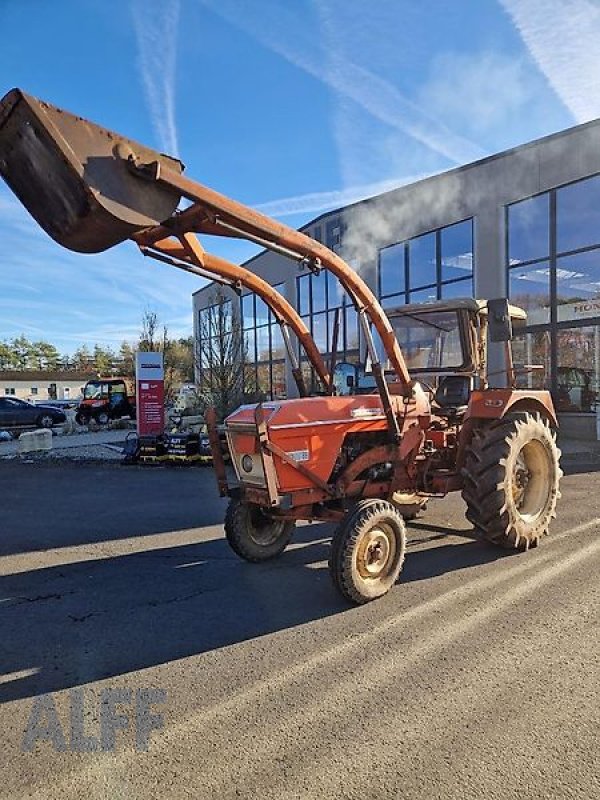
(425,415)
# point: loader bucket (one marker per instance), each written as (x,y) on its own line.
(73,176)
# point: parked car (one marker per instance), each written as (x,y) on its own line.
(61,404)
(15,413)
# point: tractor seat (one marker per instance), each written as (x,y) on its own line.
(452,396)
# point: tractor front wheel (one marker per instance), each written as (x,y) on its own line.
(367,551)
(252,534)
(511,480)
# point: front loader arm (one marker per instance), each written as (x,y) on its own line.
(187,252)
(217,215)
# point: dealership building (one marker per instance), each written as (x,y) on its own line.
(524,223)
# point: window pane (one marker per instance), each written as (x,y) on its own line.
(320,331)
(262,344)
(532,349)
(529,288)
(333,234)
(250,386)
(457,250)
(248,310)
(457,289)
(421,261)
(578,374)
(391,270)
(578,215)
(278,380)
(303,294)
(263,376)
(578,286)
(331,325)
(308,374)
(423,295)
(203,355)
(335,291)
(318,291)
(262,312)
(225,313)
(351,329)
(393,301)
(249,341)
(529,229)
(277,346)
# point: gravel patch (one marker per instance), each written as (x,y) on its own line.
(93,452)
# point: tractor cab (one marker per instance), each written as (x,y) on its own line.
(444,345)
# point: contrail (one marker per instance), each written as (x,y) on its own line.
(156,34)
(323,201)
(280,30)
(562,37)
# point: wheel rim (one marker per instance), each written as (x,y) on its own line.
(532,480)
(263,531)
(375,553)
(46,422)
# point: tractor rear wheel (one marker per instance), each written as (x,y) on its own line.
(253,535)
(367,551)
(511,480)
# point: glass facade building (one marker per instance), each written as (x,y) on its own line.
(524,223)
(264,350)
(553,263)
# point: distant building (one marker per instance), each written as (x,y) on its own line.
(43,384)
(524,223)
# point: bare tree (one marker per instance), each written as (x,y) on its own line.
(220,356)
(148,335)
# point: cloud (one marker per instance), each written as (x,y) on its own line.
(562,37)
(278,28)
(155,25)
(479,91)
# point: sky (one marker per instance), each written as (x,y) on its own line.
(292,106)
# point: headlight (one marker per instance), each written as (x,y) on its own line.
(247,463)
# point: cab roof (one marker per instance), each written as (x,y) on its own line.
(456,304)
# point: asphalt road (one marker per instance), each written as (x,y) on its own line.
(476,677)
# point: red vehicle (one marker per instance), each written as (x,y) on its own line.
(105,399)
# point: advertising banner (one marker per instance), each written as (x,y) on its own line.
(150,394)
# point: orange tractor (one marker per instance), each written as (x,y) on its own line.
(371,446)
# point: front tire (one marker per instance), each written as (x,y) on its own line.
(511,480)
(102,418)
(45,421)
(253,535)
(367,551)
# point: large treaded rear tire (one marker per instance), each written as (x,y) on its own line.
(367,551)
(254,536)
(511,480)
